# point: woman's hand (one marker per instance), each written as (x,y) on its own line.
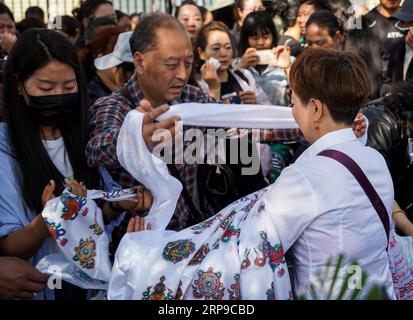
(78,189)
(359,125)
(210,75)
(282,57)
(137,224)
(248,97)
(249,59)
(48,192)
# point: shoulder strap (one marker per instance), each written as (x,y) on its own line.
(364,182)
(240,74)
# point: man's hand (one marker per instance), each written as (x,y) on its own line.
(143,201)
(150,125)
(7,41)
(249,59)
(19,279)
(359,125)
(137,224)
(248,97)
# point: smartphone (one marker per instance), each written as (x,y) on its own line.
(266,57)
(231,98)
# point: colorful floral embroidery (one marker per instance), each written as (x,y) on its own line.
(271,292)
(56,231)
(178,250)
(71,206)
(254,198)
(229,232)
(159,292)
(246,262)
(208,285)
(235,291)
(200,227)
(200,255)
(96,228)
(273,253)
(85,253)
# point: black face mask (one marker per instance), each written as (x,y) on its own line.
(54,109)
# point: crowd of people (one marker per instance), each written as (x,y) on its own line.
(67,87)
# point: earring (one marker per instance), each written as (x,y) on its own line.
(316,124)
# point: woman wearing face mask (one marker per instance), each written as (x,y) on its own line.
(216,76)
(258,33)
(323,30)
(42,142)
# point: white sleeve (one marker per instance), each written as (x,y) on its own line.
(262,97)
(291,205)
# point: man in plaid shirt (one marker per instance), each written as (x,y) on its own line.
(163,59)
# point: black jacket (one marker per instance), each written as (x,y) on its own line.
(394,71)
(385,135)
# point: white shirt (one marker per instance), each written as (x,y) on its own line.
(57,152)
(407,59)
(320,211)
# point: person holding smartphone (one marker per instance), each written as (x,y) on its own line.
(271,62)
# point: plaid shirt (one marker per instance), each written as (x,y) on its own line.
(107,116)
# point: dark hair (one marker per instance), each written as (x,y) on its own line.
(87,9)
(32,51)
(120,14)
(326,19)
(341,9)
(5,10)
(136,14)
(102,43)
(95,23)
(29,23)
(126,68)
(338,79)
(144,39)
(202,41)
(185,3)
(212,26)
(69,25)
(255,23)
(287,10)
(204,12)
(239,4)
(399,98)
(34,12)
(318,4)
